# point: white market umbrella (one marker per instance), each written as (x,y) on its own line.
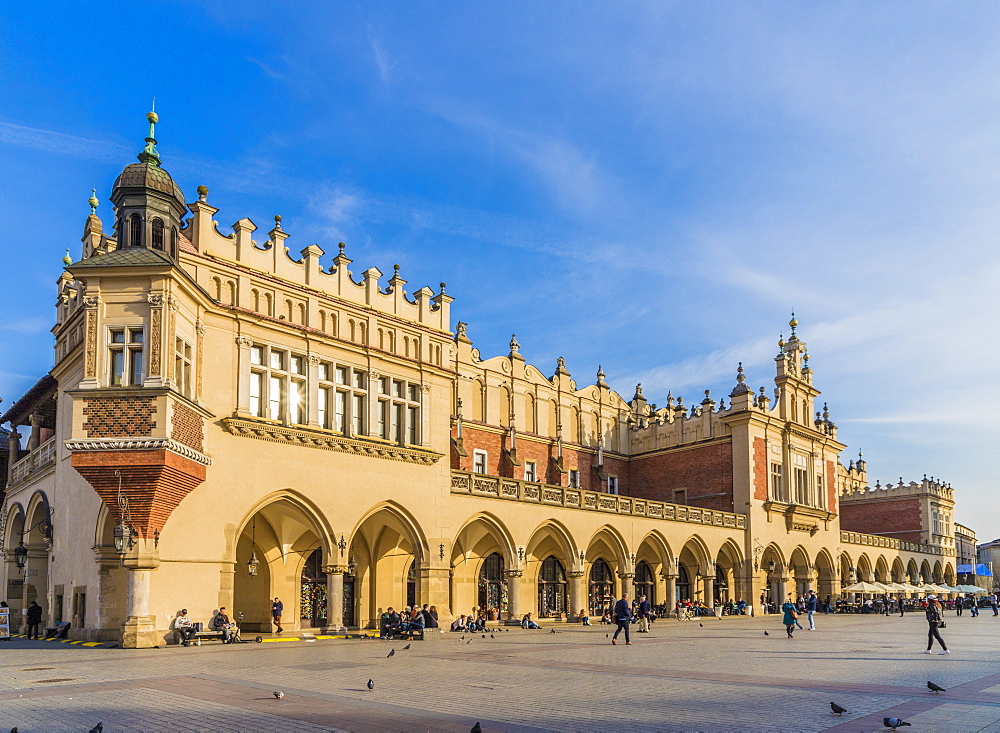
(969,589)
(862,587)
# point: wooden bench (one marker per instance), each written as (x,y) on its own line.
(206,635)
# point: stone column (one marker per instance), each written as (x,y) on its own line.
(35,439)
(514,609)
(576,601)
(243,370)
(157,355)
(780,590)
(139,630)
(435,588)
(671,597)
(708,585)
(312,390)
(335,599)
(626,585)
(13,451)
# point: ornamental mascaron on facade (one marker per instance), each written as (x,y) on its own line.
(227,422)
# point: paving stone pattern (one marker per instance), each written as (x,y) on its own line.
(724,675)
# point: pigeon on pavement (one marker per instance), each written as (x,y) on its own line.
(702,625)
(477,728)
(406,647)
(934,688)
(371,684)
(893,723)
(765,633)
(96,729)
(469,641)
(391,653)
(492,637)
(484,636)
(278,694)
(836,708)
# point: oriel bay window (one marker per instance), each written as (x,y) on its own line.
(125,356)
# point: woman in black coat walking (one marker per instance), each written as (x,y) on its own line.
(934,621)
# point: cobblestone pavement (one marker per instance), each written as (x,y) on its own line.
(708,675)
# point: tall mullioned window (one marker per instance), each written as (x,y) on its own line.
(777,483)
(278,385)
(342,393)
(182,366)
(800,472)
(398,410)
(125,357)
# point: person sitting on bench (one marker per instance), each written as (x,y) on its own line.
(222,624)
(185,627)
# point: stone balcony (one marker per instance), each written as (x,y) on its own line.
(43,457)
(874,540)
(510,489)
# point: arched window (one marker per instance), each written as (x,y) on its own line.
(530,424)
(574,428)
(554,422)
(478,401)
(492,586)
(504,416)
(602,588)
(644,584)
(551,588)
(135,231)
(158,234)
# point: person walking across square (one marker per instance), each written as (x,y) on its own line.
(812,604)
(34,620)
(643,614)
(934,621)
(790,617)
(276,609)
(622,615)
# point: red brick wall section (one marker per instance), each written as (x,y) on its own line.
(831,486)
(154,481)
(118,417)
(706,472)
(187,427)
(898,518)
(543,454)
(761,469)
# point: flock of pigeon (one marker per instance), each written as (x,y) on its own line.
(890,723)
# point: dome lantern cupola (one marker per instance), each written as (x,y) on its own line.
(148,204)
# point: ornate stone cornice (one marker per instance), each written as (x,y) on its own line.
(327,441)
(130,444)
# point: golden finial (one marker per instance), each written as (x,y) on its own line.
(93,201)
(151,115)
(793,323)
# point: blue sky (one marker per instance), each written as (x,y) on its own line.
(649,187)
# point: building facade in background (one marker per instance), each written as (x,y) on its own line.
(226,423)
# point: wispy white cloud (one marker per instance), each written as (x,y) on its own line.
(51,141)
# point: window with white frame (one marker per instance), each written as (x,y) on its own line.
(800,468)
(574,478)
(479,461)
(278,385)
(342,394)
(530,471)
(612,484)
(777,484)
(820,494)
(182,366)
(125,356)
(398,410)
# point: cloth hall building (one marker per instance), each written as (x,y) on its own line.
(227,421)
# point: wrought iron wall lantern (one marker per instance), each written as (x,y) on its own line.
(253,563)
(770,566)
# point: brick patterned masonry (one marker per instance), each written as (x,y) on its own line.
(898,518)
(115,417)
(760,468)
(187,427)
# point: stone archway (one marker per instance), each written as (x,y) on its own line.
(481,557)
(38,542)
(387,544)
(552,568)
(827,586)
(281,536)
(694,566)
(728,565)
(14,576)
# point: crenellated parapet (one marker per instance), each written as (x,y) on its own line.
(926,487)
(265,277)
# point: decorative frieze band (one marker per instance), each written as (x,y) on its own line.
(326,441)
(129,444)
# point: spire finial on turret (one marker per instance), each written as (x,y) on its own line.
(149,154)
(515,347)
(67,260)
(600,376)
(793,323)
(93,201)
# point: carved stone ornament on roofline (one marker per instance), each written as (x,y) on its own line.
(249,428)
(131,444)
(91,301)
